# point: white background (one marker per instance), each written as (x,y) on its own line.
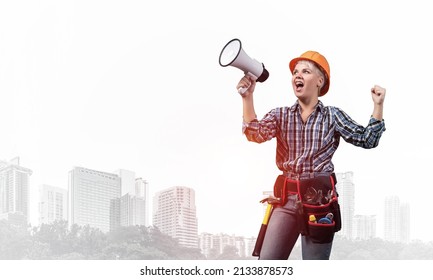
(136,85)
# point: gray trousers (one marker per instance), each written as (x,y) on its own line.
(282,233)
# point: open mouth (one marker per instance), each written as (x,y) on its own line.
(299,84)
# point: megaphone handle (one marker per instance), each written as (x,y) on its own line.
(242,90)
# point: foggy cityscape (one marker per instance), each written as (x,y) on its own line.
(110,204)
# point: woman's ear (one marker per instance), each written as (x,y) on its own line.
(320,82)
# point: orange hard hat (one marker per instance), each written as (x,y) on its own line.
(320,61)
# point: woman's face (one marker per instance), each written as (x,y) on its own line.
(306,81)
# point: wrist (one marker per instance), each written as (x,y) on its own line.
(378,111)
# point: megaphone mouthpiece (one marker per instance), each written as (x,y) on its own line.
(264,76)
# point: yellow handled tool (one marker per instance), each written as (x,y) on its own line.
(262,232)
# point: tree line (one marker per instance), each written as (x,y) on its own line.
(58,241)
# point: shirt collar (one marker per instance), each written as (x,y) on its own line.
(296,106)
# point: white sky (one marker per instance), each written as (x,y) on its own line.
(136,85)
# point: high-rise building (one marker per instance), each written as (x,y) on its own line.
(91,198)
(133,207)
(397,220)
(14,191)
(346,190)
(132,210)
(364,227)
(392,221)
(127,181)
(175,215)
(53,204)
(142,192)
(142,188)
(405,222)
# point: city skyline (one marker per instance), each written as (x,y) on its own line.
(175,212)
(355,224)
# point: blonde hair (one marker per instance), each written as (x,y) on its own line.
(316,69)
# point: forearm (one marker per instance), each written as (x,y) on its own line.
(249,113)
(378,111)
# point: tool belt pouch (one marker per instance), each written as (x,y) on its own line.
(319,199)
(280,191)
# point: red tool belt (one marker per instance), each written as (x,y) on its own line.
(318,209)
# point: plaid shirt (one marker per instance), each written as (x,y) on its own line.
(306,150)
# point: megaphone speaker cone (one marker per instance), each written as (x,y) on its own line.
(230,52)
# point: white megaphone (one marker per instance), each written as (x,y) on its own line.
(233,55)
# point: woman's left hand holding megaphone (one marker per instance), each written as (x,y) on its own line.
(246,85)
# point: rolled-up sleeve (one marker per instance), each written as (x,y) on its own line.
(367,137)
(261,131)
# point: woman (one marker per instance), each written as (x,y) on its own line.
(307,134)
